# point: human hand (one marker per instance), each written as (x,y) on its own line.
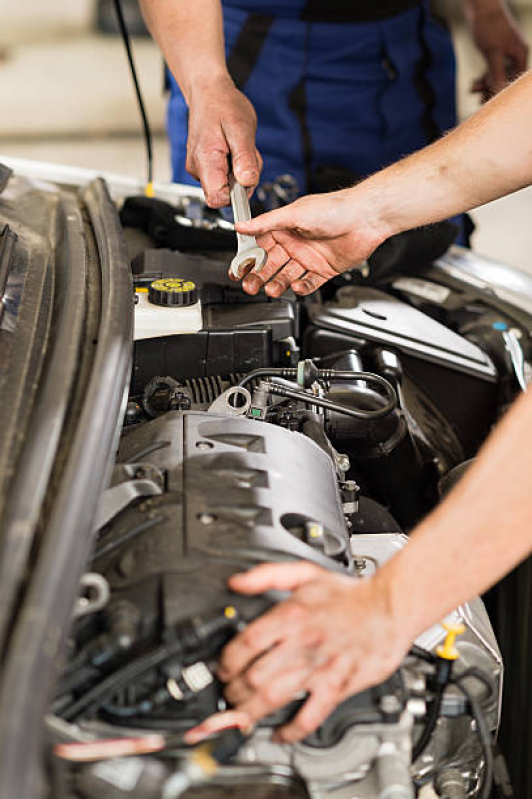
(312,240)
(221,137)
(335,636)
(498,38)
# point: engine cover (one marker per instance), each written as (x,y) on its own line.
(250,492)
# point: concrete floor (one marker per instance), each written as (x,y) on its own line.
(67,97)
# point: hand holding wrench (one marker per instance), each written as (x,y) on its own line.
(249,255)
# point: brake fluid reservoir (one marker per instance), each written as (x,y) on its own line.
(168,307)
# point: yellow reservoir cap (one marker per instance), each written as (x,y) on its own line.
(173,291)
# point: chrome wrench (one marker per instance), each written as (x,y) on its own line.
(249,255)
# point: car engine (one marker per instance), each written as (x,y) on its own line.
(225,431)
(260,430)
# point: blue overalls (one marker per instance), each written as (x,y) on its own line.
(349,95)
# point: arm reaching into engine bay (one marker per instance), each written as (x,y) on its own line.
(336,636)
(319,236)
(222,121)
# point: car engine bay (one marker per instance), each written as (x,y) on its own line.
(258,430)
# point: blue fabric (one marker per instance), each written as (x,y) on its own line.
(361,89)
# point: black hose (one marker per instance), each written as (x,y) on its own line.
(430,726)
(130,672)
(145,123)
(484,736)
(288,373)
(189,637)
(310,374)
(321,402)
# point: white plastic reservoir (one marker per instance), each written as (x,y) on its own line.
(169,307)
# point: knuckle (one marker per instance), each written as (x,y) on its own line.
(304,725)
(250,638)
(337,682)
(191,167)
(254,677)
(206,152)
(202,157)
(309,723)
(269,694)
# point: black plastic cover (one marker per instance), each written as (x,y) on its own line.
(235,338)
(158,219)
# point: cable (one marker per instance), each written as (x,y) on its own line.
(320,402)
(430,726)
(306,373)
(442,682)
(444,665)
(130,672)
(189,637)
(289,373)
(484,735)
(145,123)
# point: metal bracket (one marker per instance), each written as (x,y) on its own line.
(97,594)
(223,407)
(130,481)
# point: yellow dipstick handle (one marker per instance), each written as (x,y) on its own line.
(203,759)
(447,650)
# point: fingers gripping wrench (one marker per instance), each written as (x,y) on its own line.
(249,255)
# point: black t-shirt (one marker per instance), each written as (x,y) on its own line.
(354,10)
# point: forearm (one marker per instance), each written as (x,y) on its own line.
(475,536)
(190,35)
(486,157)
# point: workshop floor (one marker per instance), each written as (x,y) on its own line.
(67,98)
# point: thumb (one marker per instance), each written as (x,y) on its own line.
(279,576)
(279,219)
(496,77)
(245,158)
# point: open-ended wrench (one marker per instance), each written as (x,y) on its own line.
(249,255)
